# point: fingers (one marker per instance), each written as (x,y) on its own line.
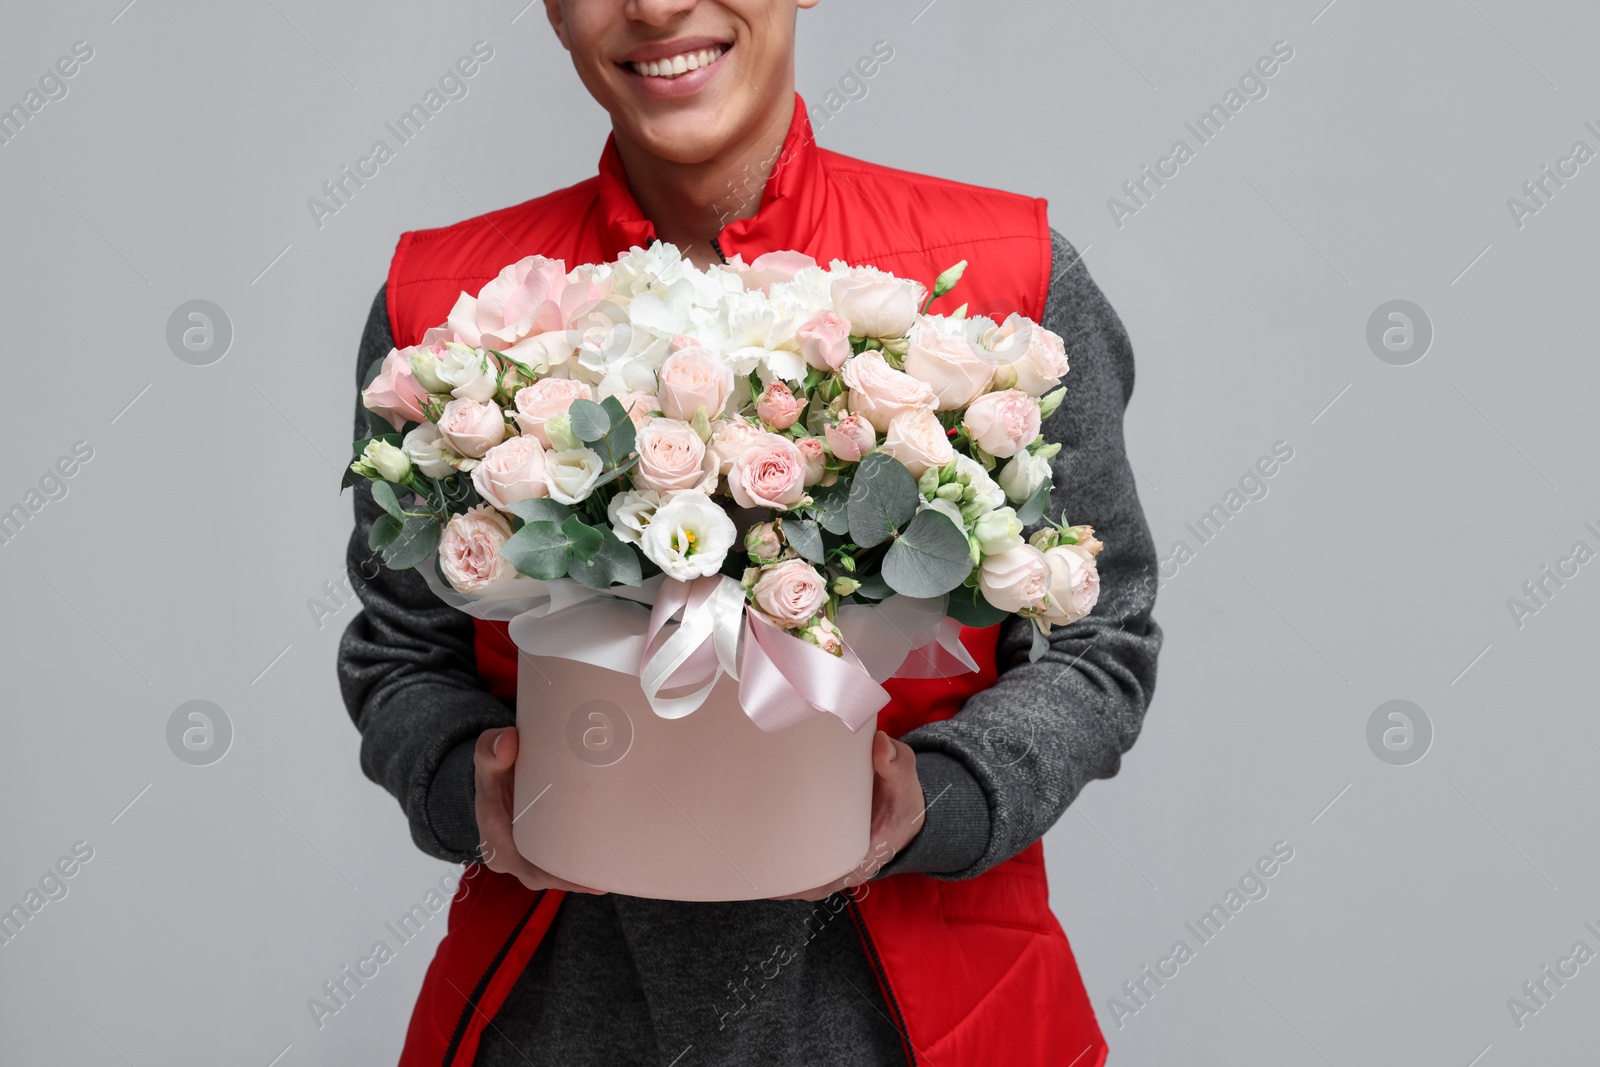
(494,769)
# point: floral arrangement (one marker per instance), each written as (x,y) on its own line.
(812,433)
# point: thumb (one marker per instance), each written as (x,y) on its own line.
(504,747)
(887,758)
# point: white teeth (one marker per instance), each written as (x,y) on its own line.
(678,65)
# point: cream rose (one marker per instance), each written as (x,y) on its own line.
(641,407)
(951,364)
(692,378)
(469,550)
(542,401)
(571,474)
(471,428)
(850,438)
(512,470)
(876,303)
(789,593)
(689,536)
(824,341)
(630,512)
(672,456)
(878,392)
(769,473)
(1037,356)
(917,439)
(1074,584)
(1016,580)
(1003,423)
(729,439)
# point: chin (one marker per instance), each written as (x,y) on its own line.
(687,138)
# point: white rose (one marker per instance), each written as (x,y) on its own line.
(630,512)
(471,428)
(941,355)
(1035,355)
(876,302)
(917,439)
(689,536)
(512,470)
(1023,475)
(1016,580)
(466,371)
(571,474)
(422,447)
(1074,584)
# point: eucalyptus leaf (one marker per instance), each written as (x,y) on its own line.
(585,540)
(614,564)
(385,528)
(1033,509)
(1041,645)
(969,607)
(539,550)
(873,587)
(831,504)
(539,509)
(383,493)
(616,472)
(590,422)
(419,536)
(929,558)
(805,537)
(618,442)
(883,497)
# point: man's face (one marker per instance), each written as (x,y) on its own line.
(682,79)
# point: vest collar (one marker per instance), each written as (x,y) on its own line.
(791,200)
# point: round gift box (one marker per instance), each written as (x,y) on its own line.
(704,807)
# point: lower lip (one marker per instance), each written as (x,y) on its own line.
(682,85)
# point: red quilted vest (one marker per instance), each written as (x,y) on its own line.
(974,972)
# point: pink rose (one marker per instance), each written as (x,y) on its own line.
(825,635)
(816,457)
(850,438)
(1035,354)
(769,473)
(878,392)
(1015,580)
(524,298)
(876,302)
(918,440)
(641,407)
(729,438)
(672,456)
(471,428)
(395,393)
(469,550)
(825,341)
(951,364)
(778,407)
(770,267)
(511,471)
(692,378)
(542,401)
(1003,423)
(789,593)
(1074,584)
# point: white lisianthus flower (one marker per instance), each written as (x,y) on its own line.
(571,474)
(998,531)
(422,446)
(390,462)
(1022,476)
(946,508)
(982,494)
(689,536)
(466,371)
(630,512)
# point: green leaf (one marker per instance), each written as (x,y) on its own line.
(614,408)
(586,541)
(883,497)
(350,478)
(831,504)
(590,421)
(1033,509)
(804,536)
(873,587)
(1041,645)
(540,509)
(616,472)
(619,442)
(419,536)
(614,564)
(378,424)
(929,559)
(969,607)
(383,493)
(539,550)
(384,530)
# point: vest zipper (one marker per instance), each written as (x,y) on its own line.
(471,1008)
(876,963)
(717,248)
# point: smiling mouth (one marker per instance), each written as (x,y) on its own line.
(677,66)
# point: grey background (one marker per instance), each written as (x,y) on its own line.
(180,564)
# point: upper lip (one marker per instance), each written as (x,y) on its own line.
(674,47)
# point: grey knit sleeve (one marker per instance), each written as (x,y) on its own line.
(408,673)
(1002,770)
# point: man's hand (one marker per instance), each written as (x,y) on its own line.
(494,760)
(897,811)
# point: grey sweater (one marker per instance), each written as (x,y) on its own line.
(628,980)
